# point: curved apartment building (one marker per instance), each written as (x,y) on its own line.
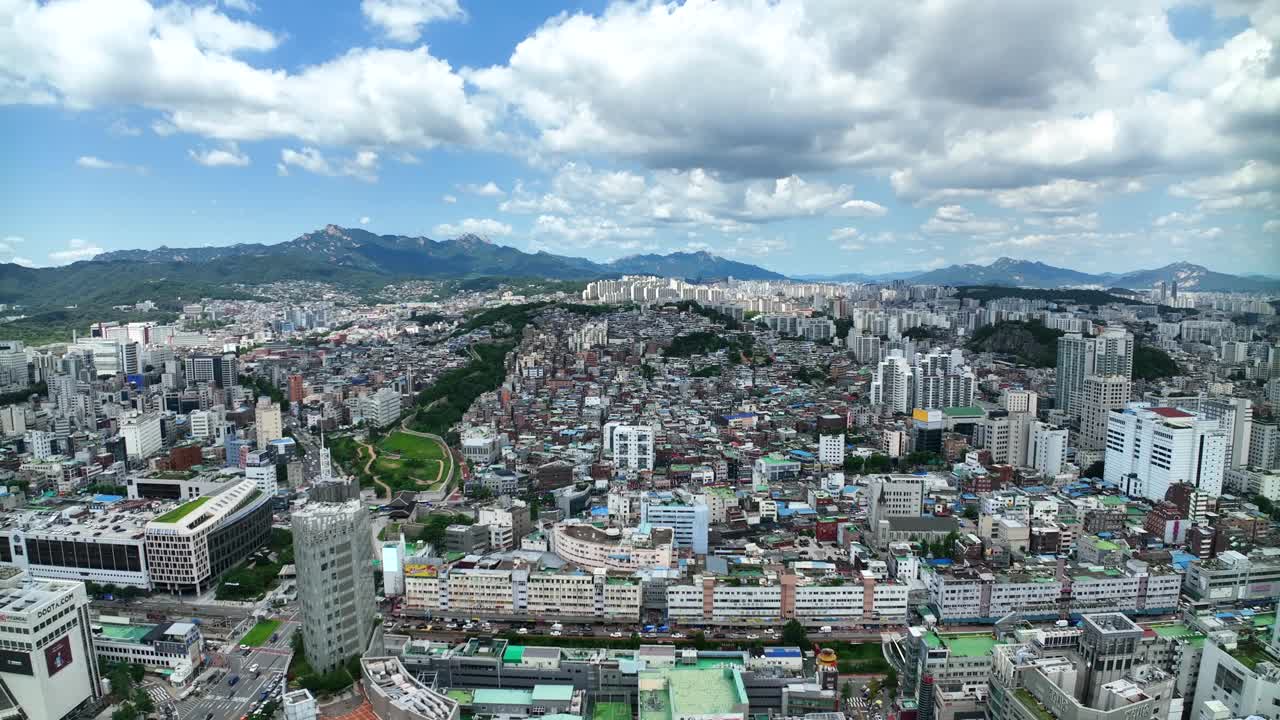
(191,545)
(631,549)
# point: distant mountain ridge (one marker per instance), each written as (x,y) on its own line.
(336,254)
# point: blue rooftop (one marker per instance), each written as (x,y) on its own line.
(108,498)
(781,652)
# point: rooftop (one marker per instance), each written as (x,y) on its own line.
(126,633)
(962,645)
(684,692)
(182,511)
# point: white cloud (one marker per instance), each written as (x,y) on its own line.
(956,219)
(1060,195)
(843,233)
(97,163)
(203,72)
(863,208)
(489,189)
(756,247)
(449,199)
(77,249)
(122,128)
(1271,226)
(402,20)
(364,219)
(484,227)
(362,166)
(229,155)
(1178,218)
(1254,185)
(244,6)
(578,231)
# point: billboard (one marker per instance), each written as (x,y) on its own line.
(58,655)
(15,662)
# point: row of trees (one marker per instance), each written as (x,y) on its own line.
(126,689)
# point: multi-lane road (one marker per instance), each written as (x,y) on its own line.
(215,699)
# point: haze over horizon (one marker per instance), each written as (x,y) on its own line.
(803,137)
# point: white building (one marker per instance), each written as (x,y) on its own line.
(831,449)
(480,445)
(180,552)
(382,408)
(688,521)
(1019,400)
(261,469)
(1047,452)
(13,420)
(300,705)
(1079,357)
(1264,446)
(1150,448)
(141,434)
(208,424)
(40,445)
(1243,682)
(631,446)
(47,663)
(892,383)
(627,549)
(267,425)
(1098,396)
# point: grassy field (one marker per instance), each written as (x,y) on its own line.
(611,711)
(416,467)
(260,633)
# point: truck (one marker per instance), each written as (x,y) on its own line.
(233,680)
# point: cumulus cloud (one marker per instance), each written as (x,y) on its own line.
(843,233)
(364,219)
(957,219)
(76,249)
(202,71)
(362,166)
(229,155)
(1254,185)
(484,227)
(449,199)
(93,162)
(862,208)
(402,20)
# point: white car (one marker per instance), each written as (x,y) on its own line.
(555,633)
(677,636)
(244,647)
(615,634)
(824,629)
(753,636)
(253,668)
(522,631)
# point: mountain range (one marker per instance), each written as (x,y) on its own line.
(355,256)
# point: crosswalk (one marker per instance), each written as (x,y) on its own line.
(158,695)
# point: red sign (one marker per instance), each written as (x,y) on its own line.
(58,655)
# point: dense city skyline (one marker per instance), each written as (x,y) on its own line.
(1129,136)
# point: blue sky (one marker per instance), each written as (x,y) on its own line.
(804,137)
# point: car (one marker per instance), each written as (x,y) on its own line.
(232,682)
(753,636)
(824,629)
(246,652)
(254,668)
(275,637)
(677,635)
(522,631)
(615,634)
(208,717)
(663,628)
(648,628)
(768,631)
(557,626)
(556,633)
(244,647)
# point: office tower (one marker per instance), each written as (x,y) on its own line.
(218,370)
(1098,396)
(631,446)
(1047,450)
(1110,353)
(208,424)
(892,384)
(141,434)
(1150,448)
(260,467)
(1264,445)
(333,551)
(926,431)
(1019,400)
(831,449)
(1235,417)
(267,425)
(1174,294)
(49,666)
(1164,293)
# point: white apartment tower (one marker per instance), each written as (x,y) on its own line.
(1098,396)
(892,383)
(1110,353)
(1047,450)
(1019,400)
(141,435)
(40,445)
(631,445)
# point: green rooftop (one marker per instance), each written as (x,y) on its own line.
(545,693)
(962,644)
(514,654)
(1174,630)
(1106,545)
(490,696)
(964,411)
(1264,619)
(684,692)
(128,633)
(1031,703)
(611,711)
(182,511)
(461,696)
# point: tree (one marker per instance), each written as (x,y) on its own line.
(854,464)
(1094,470)
(891,681)
(971,512)
(846,691)
(793,633)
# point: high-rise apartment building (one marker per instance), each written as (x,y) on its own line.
(333,551)
(219,370)
(1098,396)
(689,521)
(48,666)
(267,425)
(1019,400)
(40,445)
(892,384)
(1047,450)
(382,408)
(297,389)
(631,446)
(1110,353)
(1150,448)
(1264,445)
(831,449)
(1235,417)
